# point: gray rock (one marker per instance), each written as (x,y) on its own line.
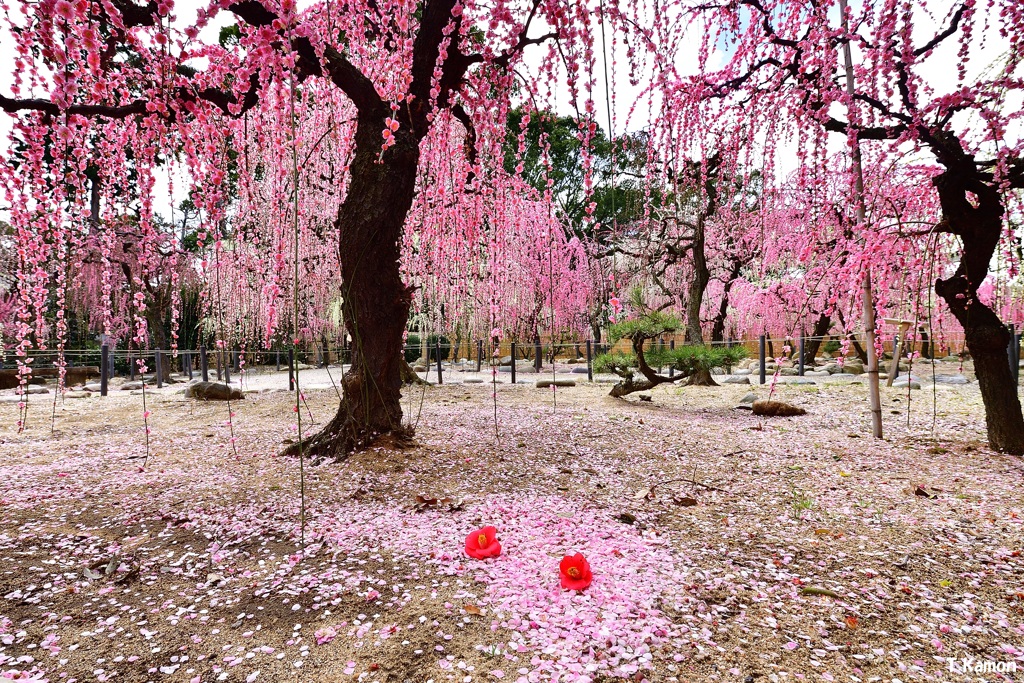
(506,360)
(93,386)
(741,371)
(717,371)
(212,391)
(77,394)
(735,379)
(843,376)
(801,380)
(419,368)
(131,386)
(816,373)
(545,383)
(951,359)
(473,380)
(789,372)
(33,389)
(951,379)
(644,397)
(579,371)
(904,381)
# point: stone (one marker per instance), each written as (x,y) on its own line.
(903,381)
(419,368)
(717,371)
(644,397)
(579,371)
(816,373)
(789,372)
(473,380)
(735,379)
(801,381)
(950,359)
(77,394)
(212,391)
(34,389)
(545,383)
(830,368)
(843,376)
(951,379)
(741,371)
(506,360)
(131,386)
(749,398)
(93,386)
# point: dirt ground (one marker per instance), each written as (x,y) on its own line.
(725,547)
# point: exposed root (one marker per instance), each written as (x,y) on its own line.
(345,435)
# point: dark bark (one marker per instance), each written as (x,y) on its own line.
(698,284)
(701,377)
(376,301)
(974,211)
(718,326)
(821,327)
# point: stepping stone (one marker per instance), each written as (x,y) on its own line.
(579,371)
(801,380)
(747,402)
(473,380)
(736,380)
(545,383)
(951,379)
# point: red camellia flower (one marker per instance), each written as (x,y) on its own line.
(483,543)
(575,572)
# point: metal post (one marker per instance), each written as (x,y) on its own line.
(590,363)
(440,376)
(801,355)
(291,369)
(226,355)
(204,364)
(158,367)
(672,367)
(278,361)
(131,367)
(513,352)
(760,353)
(537,363)
(479,353)
(104,368)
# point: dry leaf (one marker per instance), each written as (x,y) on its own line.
(472,609)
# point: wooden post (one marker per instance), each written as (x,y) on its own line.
(291,369)
(513,352)
(672,367)
(204,364)
(440,376)
(760,354)
(104,368)
(590,363)
(158,367)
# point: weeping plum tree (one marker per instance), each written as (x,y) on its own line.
(94,79)
(785,66)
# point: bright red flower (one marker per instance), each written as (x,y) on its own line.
(575,572)
(483,543)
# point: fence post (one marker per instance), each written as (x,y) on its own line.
(479,353)
(801,355)
(760,353)
(590,362)
(104,368)
(186,360)
(131,367)
(672,367)
(437,346)
(537,361)
(291,369)
(897,351)
(158,367)
(513,352)
(204,363)
(278,361)
(226,355)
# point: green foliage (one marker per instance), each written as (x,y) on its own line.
(646,326)
(412,348)
(686,360)
(832,346)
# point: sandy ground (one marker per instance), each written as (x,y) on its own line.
(724,547)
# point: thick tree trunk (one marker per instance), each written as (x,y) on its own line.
(979,225)
(376,301)
(698,284)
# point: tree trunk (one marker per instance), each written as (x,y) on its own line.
(821,327)
(718,327)
(698,283)
(376,301)
(979,225)
(701,377)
